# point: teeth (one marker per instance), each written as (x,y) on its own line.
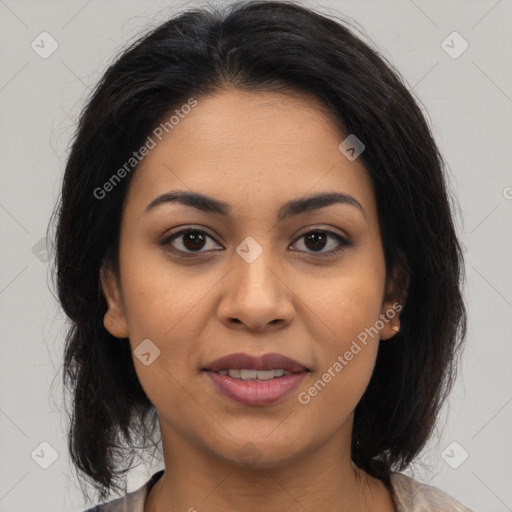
(247,374)
(254,374)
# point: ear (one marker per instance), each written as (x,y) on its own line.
(115,318)
(397,286)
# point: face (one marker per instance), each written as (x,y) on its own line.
(252,277)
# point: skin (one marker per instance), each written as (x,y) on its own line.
(255,151)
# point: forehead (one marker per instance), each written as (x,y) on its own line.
(248,147)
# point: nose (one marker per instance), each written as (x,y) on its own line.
(256,296)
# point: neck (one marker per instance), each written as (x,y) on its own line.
(196,480)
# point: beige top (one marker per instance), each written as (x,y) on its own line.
(409,496)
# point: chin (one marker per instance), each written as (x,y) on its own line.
(259,452)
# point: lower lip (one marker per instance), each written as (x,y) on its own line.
(257,392)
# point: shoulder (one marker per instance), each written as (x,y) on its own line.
(132,502)
(413,496)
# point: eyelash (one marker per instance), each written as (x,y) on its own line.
(344,243)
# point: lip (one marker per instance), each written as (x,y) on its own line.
(270,361)
(257,392)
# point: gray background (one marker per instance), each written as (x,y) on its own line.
(468,101)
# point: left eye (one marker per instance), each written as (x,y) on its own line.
(319,237)
(193,240)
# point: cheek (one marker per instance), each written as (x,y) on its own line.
(172,321)
(165,305)
(158,293)
(344,329)
(344,306)
(346,356)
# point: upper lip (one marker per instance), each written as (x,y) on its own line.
(269,361)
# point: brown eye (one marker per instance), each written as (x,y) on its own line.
(188,241)
(191,242)
(315,241)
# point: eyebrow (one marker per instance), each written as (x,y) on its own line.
(290,208)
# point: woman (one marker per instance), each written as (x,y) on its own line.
(256,249)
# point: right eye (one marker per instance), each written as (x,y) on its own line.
(190,240)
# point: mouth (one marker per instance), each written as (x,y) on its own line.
(254,375)
(256,380)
